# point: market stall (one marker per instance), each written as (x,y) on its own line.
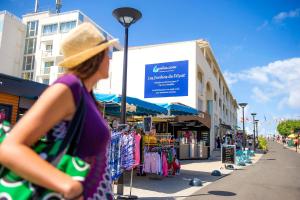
(17,96)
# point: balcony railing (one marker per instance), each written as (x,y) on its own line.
(47,53)
(45,71)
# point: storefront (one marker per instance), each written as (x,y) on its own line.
(226,134)
(175,124)
(192,136)
(17,96)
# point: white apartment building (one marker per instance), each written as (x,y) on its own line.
(12,32)
(45,31)
(184,72)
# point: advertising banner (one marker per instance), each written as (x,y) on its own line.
(168,79)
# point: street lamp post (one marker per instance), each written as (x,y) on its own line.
(243,105)
(254,143)
(256,123)
(126,16)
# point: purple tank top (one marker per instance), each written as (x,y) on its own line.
(94,143)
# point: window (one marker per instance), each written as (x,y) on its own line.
(30,46)
(200,77)
(67,26)
(49,29)
(80,17)
(49,47)
(28,63)
(46,81)
(215,72)
(32,28)
(215,96)
(48,64)
(27,75)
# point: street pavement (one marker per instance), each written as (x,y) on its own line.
(153,187)
(276,176)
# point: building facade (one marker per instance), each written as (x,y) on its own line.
(184,72)
(12,32)
(44,33)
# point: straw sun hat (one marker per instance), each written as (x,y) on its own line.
(82,43)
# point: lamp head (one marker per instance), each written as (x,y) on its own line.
(127,16)
(243,105)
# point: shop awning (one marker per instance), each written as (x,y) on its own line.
(112,105)
(202,118)
(20,87)
(226,126)
(179,109)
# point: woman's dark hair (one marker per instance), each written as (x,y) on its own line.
(89,67)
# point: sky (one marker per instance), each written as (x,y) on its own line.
(255,42)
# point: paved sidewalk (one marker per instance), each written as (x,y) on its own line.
(275,177)
(290,148)
(177,187)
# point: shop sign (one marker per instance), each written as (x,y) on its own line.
(228,154)
(168,79)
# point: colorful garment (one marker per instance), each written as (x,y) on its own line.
(94,144)
(127,151)
(137,156)
(164,165)
(115,156)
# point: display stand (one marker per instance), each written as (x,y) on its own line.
(129,196)
(127,127)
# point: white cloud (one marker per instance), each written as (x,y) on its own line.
(230,78)
(277,79)
(284,15)
(263,25)
(259,95)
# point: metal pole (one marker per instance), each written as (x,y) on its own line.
(120,188)
(244,139)
(124,81)
(256,129)
(253,132)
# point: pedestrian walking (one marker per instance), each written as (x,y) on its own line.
(86,59)
(218,142)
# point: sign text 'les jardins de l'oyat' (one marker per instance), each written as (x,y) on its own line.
(168,79)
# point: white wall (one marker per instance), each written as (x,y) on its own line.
(12,34)
(46,18)
(138,58)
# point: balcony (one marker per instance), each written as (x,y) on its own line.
(47,53)
(45,71)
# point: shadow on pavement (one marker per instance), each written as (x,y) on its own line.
(271,159)
(222,193)
(172,198)
(171,184)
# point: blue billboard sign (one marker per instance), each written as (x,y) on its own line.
(168,79)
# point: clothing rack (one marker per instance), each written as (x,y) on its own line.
(125,128)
